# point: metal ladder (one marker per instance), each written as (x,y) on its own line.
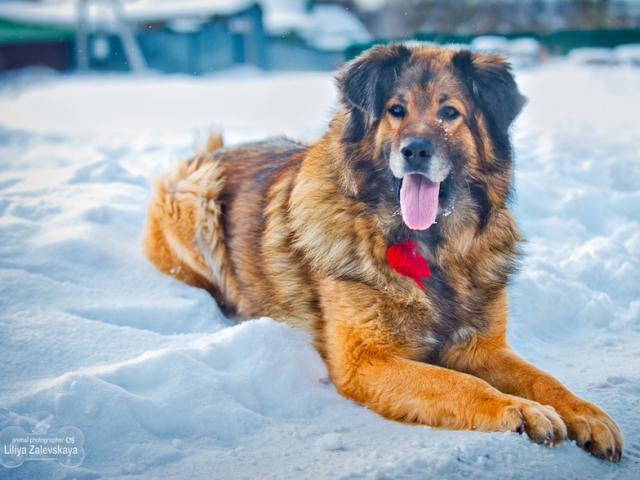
(132,51)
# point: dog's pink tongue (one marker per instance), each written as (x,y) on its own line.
(419,201)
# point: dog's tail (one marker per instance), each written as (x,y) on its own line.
(184,234)
(214,143)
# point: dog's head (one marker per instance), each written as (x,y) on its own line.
(434,121)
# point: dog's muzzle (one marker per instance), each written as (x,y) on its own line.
(419,155)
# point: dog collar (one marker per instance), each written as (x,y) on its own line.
(405,259)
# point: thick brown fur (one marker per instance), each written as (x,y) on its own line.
(299,233)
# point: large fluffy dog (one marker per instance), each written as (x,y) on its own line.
(418,151)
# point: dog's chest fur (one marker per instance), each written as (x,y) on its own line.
(460,290)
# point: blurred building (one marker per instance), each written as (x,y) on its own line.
(310,35)
(188,36)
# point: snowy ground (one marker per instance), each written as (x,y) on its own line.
(91,336)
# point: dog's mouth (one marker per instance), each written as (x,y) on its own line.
(421,200)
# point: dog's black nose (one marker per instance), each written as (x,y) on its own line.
(417,151)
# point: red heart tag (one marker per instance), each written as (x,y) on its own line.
(405,259)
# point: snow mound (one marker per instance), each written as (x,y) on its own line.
(223,387)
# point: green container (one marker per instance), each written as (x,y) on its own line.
(16,32)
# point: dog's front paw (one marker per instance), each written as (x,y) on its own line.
(541,422)
(593,430)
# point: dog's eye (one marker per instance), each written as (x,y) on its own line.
(448,113)
(397,111)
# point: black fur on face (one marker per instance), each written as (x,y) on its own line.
(365,85)
(494,93)
(490,83)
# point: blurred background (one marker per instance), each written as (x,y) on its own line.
(201,36)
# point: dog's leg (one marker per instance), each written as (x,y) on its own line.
(367,365)
(490,358)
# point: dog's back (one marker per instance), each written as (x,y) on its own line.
(207,221)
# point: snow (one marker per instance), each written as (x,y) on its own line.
(522,52)
(491,43)
(629,53)
(593,55)
(370,5)
(162,386)
(64,12)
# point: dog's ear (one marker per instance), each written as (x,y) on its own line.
(365,84)
(490,81)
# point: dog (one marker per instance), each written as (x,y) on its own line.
(415,168)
